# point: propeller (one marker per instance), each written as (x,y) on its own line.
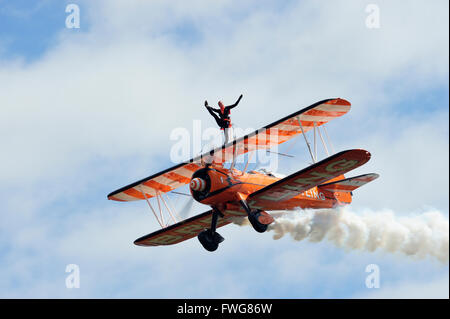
(187,207)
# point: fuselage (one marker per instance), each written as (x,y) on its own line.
(223,187)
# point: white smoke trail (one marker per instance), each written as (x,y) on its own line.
(418,236)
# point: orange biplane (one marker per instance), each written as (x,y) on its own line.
(233,193)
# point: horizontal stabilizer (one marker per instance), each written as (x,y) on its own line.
(349,184)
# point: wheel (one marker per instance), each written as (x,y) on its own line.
(210,241)
(253,219)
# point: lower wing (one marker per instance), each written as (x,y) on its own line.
(316,174)
(186,229)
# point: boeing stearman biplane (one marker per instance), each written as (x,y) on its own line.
(233,193)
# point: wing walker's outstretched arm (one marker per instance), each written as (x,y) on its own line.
(235,104)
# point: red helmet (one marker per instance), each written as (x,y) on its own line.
(222,107)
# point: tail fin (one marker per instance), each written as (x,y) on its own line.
(348,185)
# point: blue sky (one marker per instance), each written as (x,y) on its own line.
(86,111)
(28,30)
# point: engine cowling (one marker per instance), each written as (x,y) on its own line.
(208,182)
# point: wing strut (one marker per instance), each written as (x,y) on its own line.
(151,207)
(160,219)
(306,140)
(323,142)
(328,138)
(316,130)
(167,207)
(248,161)
(160,210)
(315,140)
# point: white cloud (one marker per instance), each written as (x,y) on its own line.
(95,112)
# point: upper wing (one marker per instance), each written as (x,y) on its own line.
(264,138)
(281,131)
(185,229)
(349,184)
(161,182)
(309,177)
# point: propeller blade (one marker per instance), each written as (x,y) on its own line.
(184,211)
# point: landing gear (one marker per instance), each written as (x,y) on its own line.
(253,219)
(209,238)
(259,219)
